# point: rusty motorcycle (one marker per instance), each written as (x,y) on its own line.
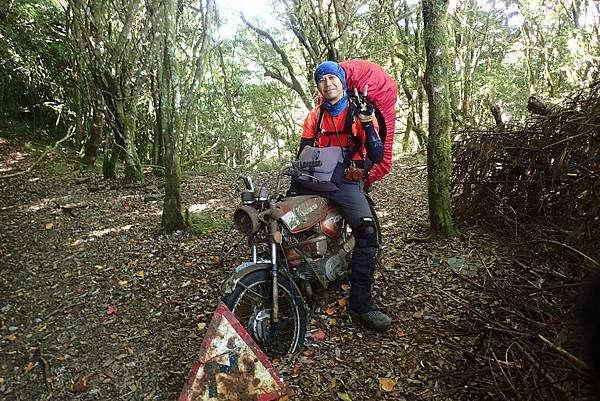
(298,246)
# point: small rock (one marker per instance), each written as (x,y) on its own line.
(13,329)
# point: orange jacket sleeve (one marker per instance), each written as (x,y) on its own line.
(310,122)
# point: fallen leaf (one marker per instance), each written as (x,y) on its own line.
(318,335)
(332,321)
(140,273)
(400,333)
(123,283)
(110,374)
(201,326)
(81,385)
(112,309)
(11,337)
(345,287)
(331,310)
(343,301)
(344,396)
(386,384)
(99,267)
(30,365)
(49,226)
(308,361)
(1,381)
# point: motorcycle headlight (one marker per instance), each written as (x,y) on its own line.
(246,220)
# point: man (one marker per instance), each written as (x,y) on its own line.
(333,123)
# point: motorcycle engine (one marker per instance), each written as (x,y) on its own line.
(318,258)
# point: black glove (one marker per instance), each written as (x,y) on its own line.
(365,108)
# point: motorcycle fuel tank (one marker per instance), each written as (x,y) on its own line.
(329,225)
(302,212)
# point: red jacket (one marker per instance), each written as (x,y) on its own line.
(330,125)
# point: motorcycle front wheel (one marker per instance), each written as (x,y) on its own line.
(250,302)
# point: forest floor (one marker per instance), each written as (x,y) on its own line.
(96,303)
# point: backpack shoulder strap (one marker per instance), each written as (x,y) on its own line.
(350,118)
(318,125)
(348,131)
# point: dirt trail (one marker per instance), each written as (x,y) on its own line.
(98,304)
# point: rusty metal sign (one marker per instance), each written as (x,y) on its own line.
(231,366)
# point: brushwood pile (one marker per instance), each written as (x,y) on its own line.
(537,186)
(541,179)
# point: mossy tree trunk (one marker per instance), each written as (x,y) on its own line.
(95,130)
(439,161)
(127,114)
(118,66)
(172,218)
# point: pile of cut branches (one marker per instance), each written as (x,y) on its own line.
(544,175)
(539,186)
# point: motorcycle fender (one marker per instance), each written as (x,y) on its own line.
(249,267)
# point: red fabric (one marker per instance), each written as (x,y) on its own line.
(382,91)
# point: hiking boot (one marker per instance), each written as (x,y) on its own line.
(373,319)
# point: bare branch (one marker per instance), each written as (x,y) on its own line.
(285,60)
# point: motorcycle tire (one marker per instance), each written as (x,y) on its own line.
(250,302)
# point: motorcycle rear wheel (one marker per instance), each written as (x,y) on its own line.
(250,302)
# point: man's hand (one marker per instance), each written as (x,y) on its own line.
(365,107)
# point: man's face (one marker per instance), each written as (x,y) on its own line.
(330,87)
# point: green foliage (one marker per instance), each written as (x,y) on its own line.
(206,222)
(34,73)
(239,116)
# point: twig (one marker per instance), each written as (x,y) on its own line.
(578,362)
(420,239)
(565,139)
(577,251)
(551,380)
(45,368)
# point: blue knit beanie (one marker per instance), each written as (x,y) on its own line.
(331,67)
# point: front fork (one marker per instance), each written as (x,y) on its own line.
(275,238)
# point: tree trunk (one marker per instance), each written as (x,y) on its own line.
(158,144)
(497,113)
(95,131)
(172,218)
(79,115)
(439,162)
(111,155)
(126,113)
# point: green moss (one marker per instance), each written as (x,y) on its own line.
(61,168)
(206,222)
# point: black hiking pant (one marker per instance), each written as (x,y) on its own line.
(353,205)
